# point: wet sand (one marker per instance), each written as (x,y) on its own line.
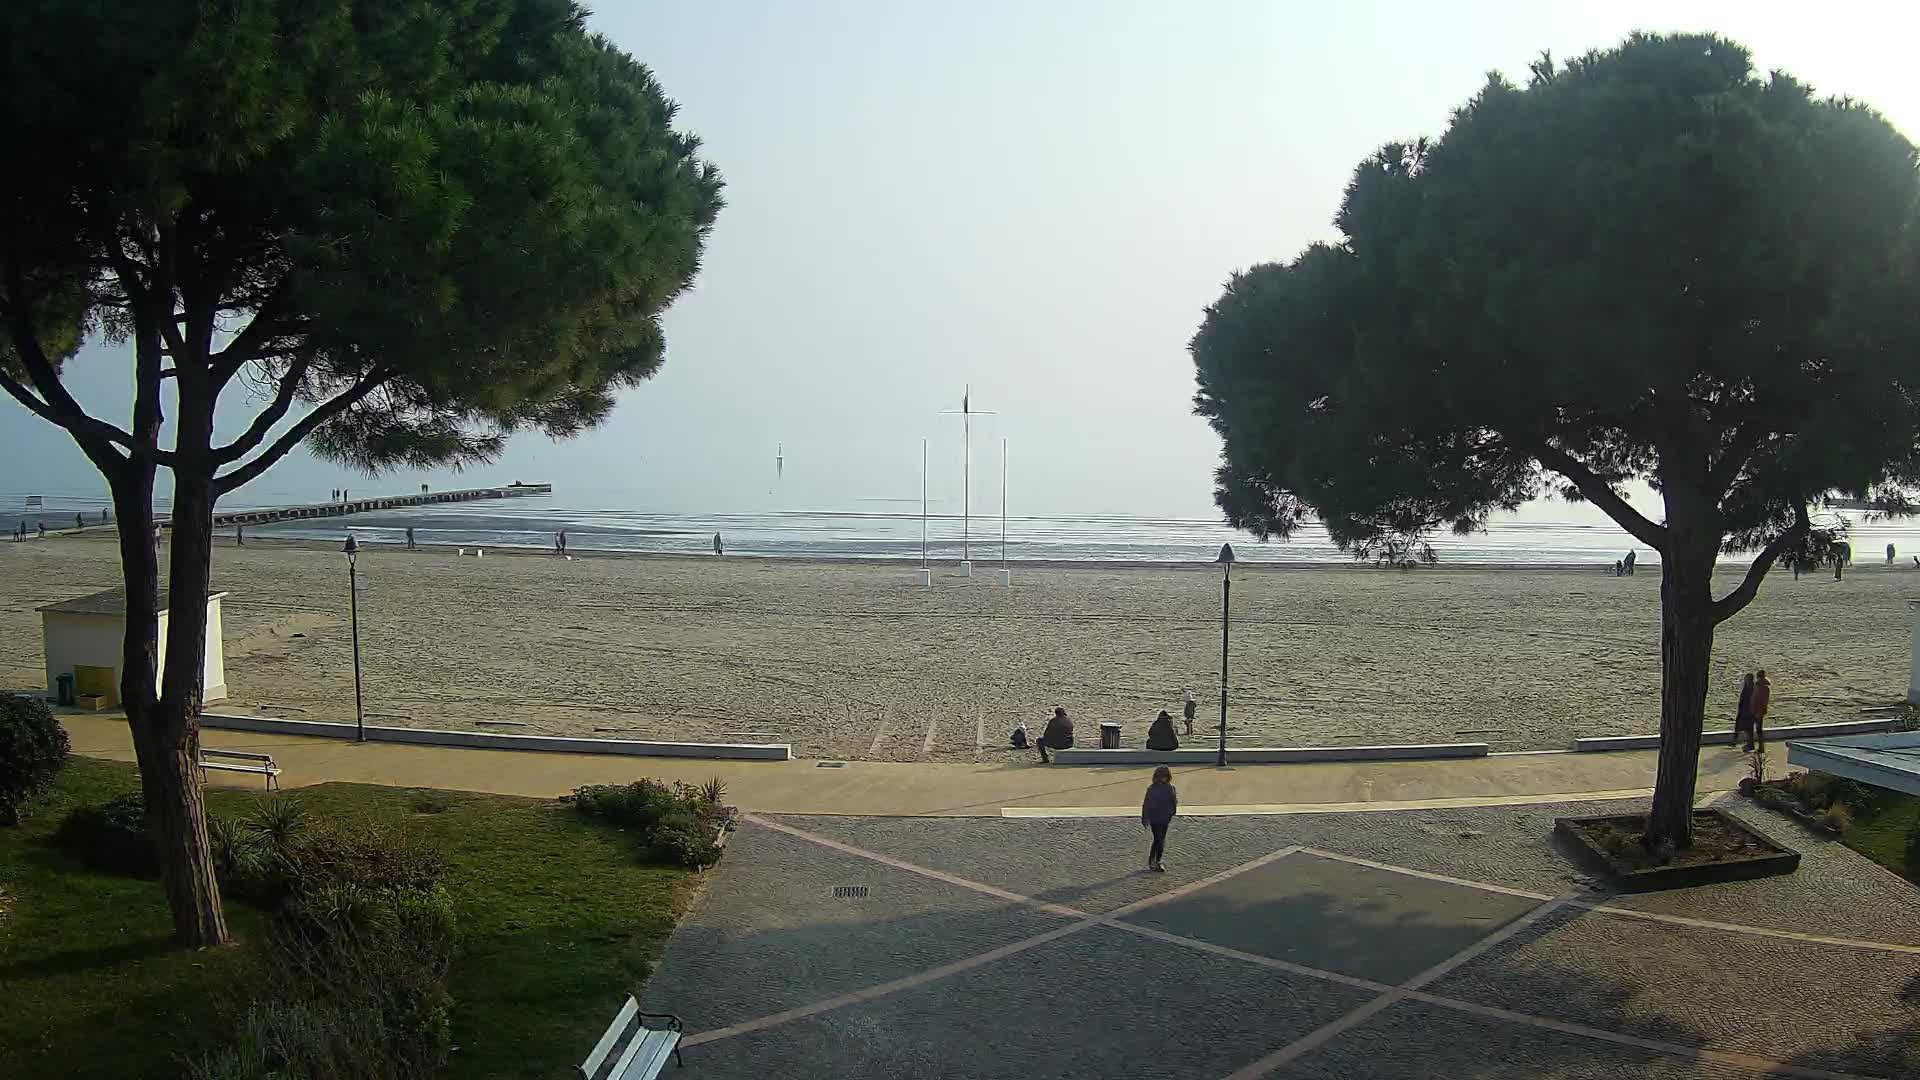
(853,660)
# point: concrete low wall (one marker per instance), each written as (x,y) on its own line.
(487,740)
(1768,734)
(1268,755)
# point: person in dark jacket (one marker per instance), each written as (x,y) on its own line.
(1757,707)
(1156,813)
(1743,715)
(1160,736)
(1057,736)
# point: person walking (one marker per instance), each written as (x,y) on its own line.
(1156,813)
(560,542)
(717,549)
(1629,561)
(410,538)
(1743,714)
(1190,709)
(1057,736)
(1757,707)
(239,536)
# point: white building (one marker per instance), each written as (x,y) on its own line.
(90,631)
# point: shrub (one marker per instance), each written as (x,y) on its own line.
(1757,763)
(674,825)
(1913,851)
(683,840)
(1836,818)
(639,805)
(111,836)
(389,949)
(33,747)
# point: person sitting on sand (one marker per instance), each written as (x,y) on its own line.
(1057,736)
(1160,736)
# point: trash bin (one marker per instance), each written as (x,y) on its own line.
(63,689)
(1109,736)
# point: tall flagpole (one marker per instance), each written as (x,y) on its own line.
(923,501)
(966,413)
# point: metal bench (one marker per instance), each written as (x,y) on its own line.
(630,1050)
(239,761)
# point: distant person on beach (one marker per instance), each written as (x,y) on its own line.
(1190,709)
(240,535)
(409,538)
(1619,568)
(1757,705)
(104,518)
(79,524)
(1628,562)
(717,549)
(1057,736)
(42,527)
(1743,714)
(1889,552)
(1156,813)
(1160,736)
(1018,739)
(560,542)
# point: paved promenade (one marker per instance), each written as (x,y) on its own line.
(1402,945)
(1012,784)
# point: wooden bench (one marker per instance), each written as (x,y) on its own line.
(239,761)
(630,1050)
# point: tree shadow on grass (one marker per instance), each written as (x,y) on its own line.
(78,961)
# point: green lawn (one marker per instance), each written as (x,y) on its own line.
(558,919)
(1883,836)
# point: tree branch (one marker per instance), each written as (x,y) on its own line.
(291,438)
(96,437)
(1601,494)
(1731,604)
(263,424)
(1746,439)
(247,346)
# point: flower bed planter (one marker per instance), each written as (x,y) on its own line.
(1725,849)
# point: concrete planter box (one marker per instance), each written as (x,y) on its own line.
(1710,738)
(1269,755)
(1774,860)
(487,740)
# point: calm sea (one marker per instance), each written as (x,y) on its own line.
(532,522)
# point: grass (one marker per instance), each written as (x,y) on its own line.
(1882,836)
(558,920)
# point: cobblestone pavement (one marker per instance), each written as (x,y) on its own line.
(1456,943)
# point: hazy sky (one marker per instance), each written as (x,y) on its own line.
(1033,198)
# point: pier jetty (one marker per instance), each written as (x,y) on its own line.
(228,518)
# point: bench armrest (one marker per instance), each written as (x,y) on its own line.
(673,1022)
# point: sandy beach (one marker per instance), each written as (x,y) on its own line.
(852,660)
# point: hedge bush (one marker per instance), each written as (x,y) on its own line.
(33,747)
(352,984)
(111,836)
(674,825)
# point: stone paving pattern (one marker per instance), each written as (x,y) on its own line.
(1103,1001)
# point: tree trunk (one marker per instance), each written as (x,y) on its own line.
(175,809)
(1686,658)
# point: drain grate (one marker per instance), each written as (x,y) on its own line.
(849,892)
(830,765)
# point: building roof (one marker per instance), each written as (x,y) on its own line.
(106,602)
(1890,761)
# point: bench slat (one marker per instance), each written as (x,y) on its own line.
(268,770)
(655,1046)
(616,1033)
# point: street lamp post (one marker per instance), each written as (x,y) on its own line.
(352,549)
(1225,560)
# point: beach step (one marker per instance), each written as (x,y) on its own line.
(899,733)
